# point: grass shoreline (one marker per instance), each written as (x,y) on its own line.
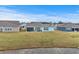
(23,40)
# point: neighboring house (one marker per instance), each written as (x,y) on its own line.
(39,27)
(68,27)
(9,26)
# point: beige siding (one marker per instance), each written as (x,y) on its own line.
(16,29)
(9,29)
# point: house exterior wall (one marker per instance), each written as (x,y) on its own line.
(42,29)
(9,29)
(46,30)
(64,29)
(38,29)
(51,28)
(16,29)
(61,28)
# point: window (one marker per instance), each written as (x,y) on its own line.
(38,29)
(30,29)
(0,29)
(45,28)
(10,29)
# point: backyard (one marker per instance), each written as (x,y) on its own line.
(20,40)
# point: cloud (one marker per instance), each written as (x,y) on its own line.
(71,17)
(42,17)
(8,14)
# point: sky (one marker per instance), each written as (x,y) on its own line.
(42,13)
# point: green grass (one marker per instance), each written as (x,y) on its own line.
(39,40)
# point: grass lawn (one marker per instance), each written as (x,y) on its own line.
(39,40)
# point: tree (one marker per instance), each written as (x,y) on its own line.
(54,23)
(60,22)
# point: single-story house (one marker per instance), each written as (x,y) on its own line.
(39,27)
(9,26)
(68,27)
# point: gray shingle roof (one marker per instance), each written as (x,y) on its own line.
(38,24)
(9,23)
(70,25)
